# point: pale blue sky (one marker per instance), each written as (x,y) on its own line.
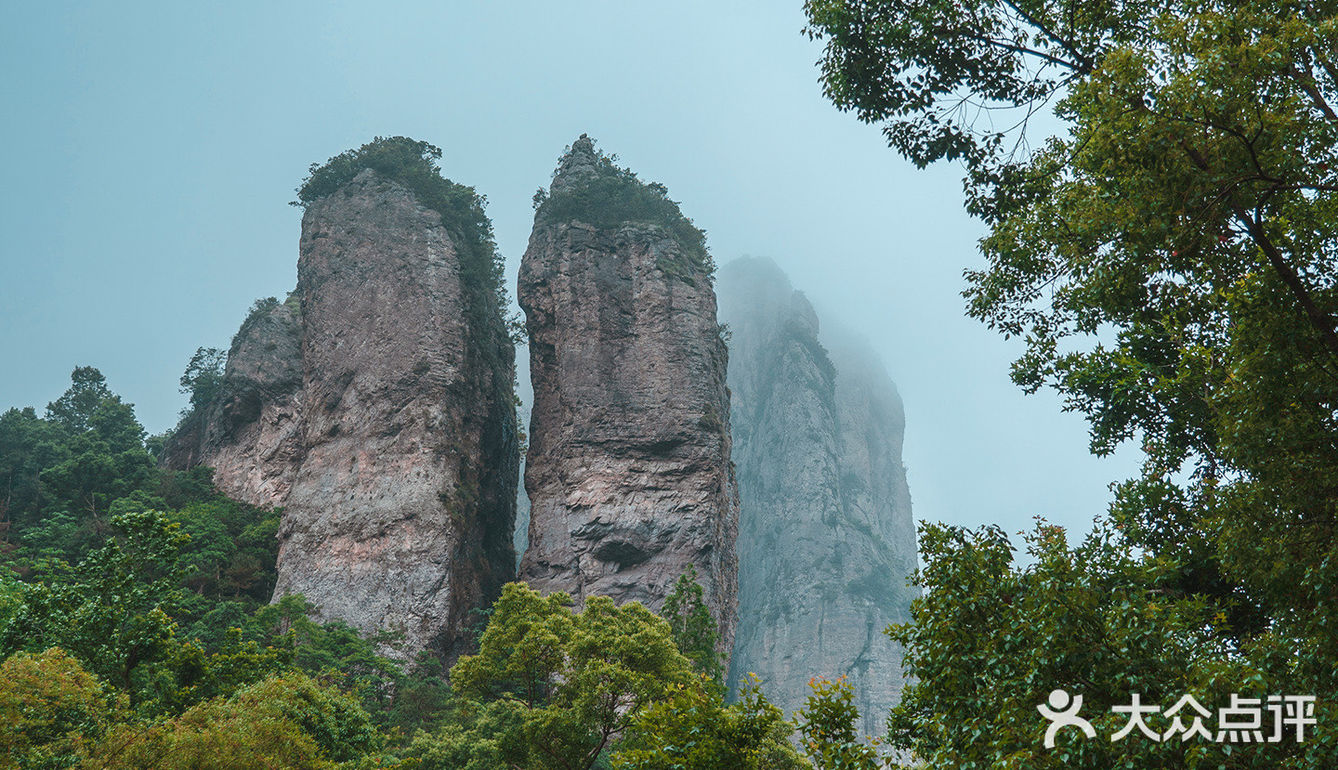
(150,149)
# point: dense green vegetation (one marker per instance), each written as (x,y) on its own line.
(135,632)
(1171,263)
(610,196)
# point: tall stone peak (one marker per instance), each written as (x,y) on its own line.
(628,472)
(826,538)
(375,406)
(581,162)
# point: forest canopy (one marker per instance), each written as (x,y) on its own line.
(1168,260)
(137,631)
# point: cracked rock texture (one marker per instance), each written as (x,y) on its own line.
(826,538)
(251,435)
(376,410)
(628,472)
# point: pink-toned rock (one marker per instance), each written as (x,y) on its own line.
(393,452)
(251,435)
(628,471)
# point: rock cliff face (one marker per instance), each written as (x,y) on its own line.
(377,410)
(826,539)
(251,435)
(628,471)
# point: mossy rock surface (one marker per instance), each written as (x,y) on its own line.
(591,187)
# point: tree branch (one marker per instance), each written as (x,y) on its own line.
(1323,323)
(1084,63)
(1307,83)
(1015,48)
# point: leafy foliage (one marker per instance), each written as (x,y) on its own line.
(569,683)
(203,378)
(1170,262)
(693,728)
(50,708)
(62,473)
(827,727)
(87,394)
(286,721)
(693,629)
(476,736)
(111,610)
(1094,620)
(609,196)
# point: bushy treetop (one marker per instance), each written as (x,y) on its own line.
(607,195)
(415,164)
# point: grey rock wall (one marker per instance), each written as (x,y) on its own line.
(628,471)
(826,538)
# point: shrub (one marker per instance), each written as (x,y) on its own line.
(614,196)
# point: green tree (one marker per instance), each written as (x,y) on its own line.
(232,550)
(694,630)
(74,409)
(284,721)
(567,685)
(332,652)
(203,378)
(827,729)
(112,611)
(28,444)
(1168,260)
(1094,620)
(693,728)
(61,475)
(50,710)
(477,736)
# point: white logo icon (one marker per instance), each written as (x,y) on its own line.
(1063,712)
(1241,722)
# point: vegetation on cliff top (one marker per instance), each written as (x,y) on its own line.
(610,196)
(415,164)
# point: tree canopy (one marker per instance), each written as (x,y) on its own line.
(607,195)
(1168,259)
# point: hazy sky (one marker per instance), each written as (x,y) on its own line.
(150,149)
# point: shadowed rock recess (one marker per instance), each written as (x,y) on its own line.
(826,538)
(375,405)
(628,470)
